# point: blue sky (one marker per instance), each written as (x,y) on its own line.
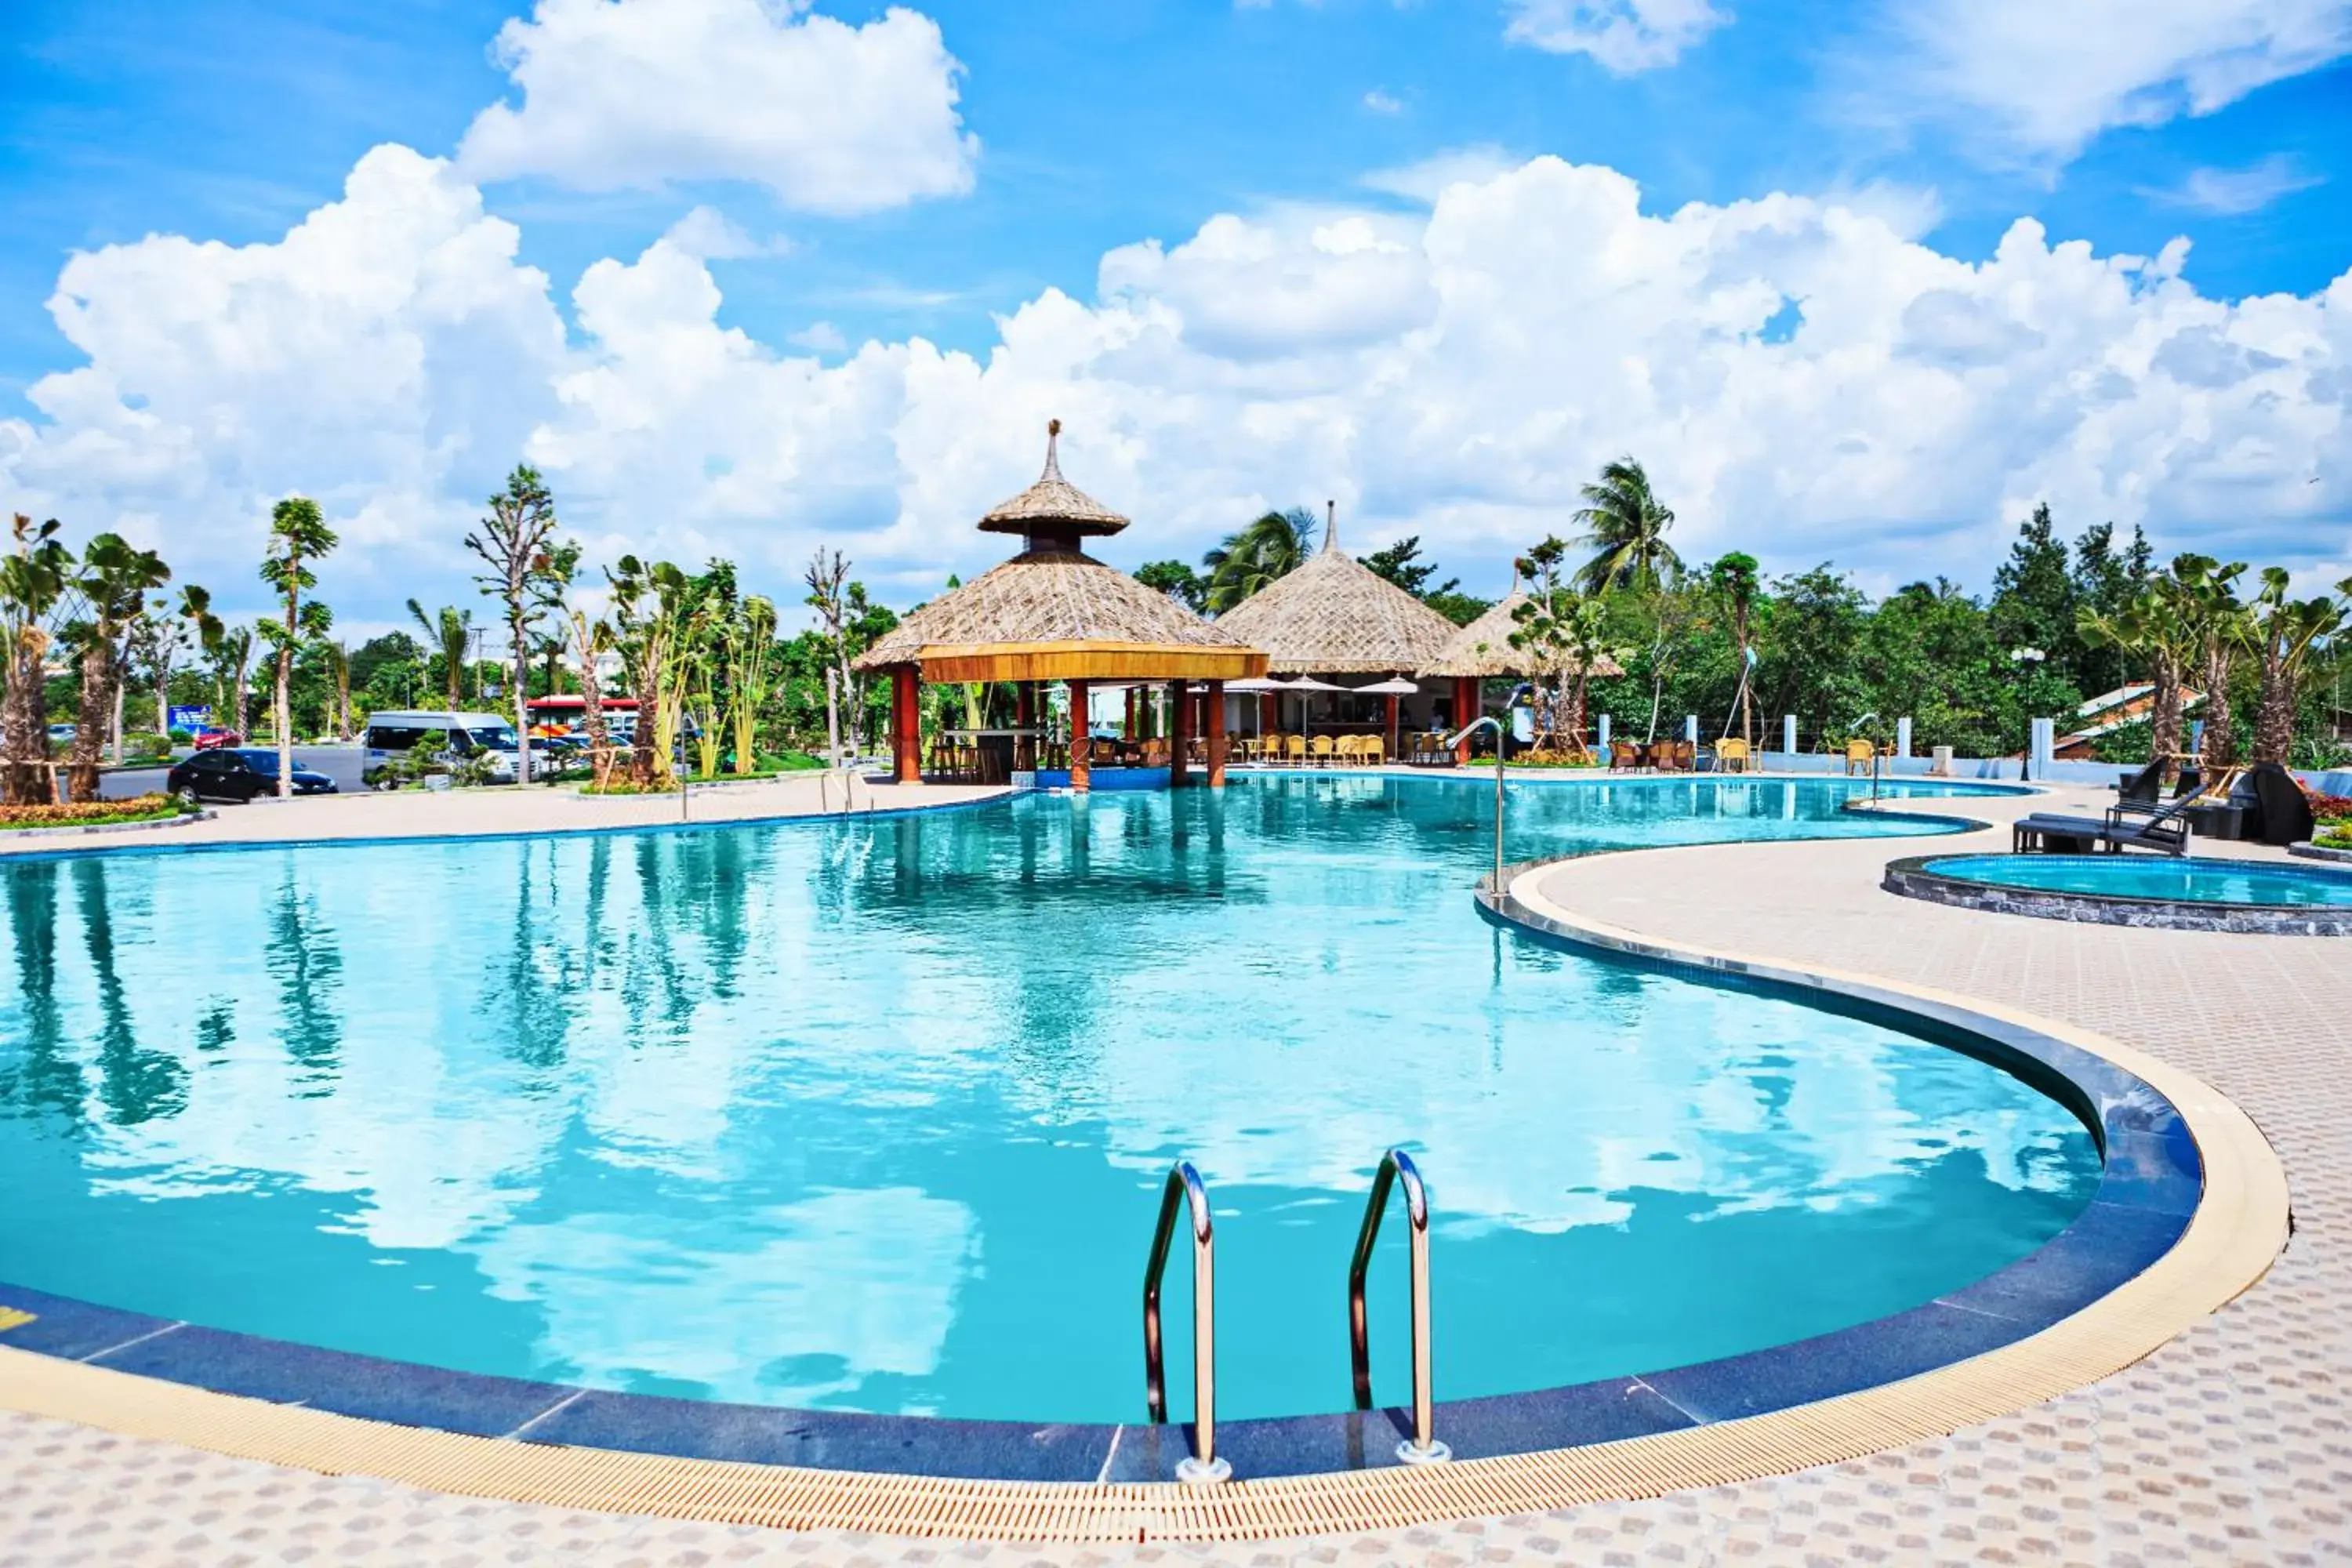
(1102,125)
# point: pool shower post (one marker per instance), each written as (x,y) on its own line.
(1459,743)
(1185,1186)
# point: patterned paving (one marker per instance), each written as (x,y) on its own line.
(2230,1446)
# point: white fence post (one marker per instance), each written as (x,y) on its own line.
(1605,732)
(1903,737)
(1690,728)
(1788,733)
(2045,745)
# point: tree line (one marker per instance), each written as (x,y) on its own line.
(2261,668)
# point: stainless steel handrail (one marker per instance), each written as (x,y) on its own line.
(1397,1167)
(1185,1186)
(1455,740)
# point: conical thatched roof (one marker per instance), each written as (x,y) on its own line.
(1053,505)
(1484,648)
(1046,596)
(1053,613)
(1336,615)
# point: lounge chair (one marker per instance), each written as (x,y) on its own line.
(2146,785)
(2187,791)
(2165,831)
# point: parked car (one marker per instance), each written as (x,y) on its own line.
(392,736)
(234,773)
(211,740)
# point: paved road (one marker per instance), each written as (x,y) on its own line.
(340,764)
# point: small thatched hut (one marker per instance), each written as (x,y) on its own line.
(1482,651)
(1336,616)
(1053,613)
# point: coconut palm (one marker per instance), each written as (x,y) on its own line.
(298,535)
(2218,625)
(113,579)
(2287,631)
(452,632)
(1275,545)
(1625,527)
(33,578)
(2160,626)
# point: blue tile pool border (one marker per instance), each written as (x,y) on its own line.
(1917,877)
(2150,1184)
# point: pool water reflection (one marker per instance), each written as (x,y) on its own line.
(872,1114)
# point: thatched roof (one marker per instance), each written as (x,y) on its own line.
(1053,505)
(1335,616)
(1484,648)
(1059,615)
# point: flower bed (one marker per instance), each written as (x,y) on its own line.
(89,813)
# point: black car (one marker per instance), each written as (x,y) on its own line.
(240,775)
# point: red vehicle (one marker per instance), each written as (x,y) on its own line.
(213,740)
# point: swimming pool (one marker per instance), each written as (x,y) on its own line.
(872,1115)
(2193,893)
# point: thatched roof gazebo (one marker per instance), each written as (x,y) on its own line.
(1482,651)
(1054,613)
(1333,615)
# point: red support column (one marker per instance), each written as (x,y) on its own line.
(1081,777)
(1126,729)
(1179,705)
(905,725)
(1390,749)
(1215,732)
(1024,717)
(1466,707)
(1270,713)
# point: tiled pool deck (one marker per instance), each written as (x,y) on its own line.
(2229,1444)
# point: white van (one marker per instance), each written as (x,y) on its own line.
(391,735)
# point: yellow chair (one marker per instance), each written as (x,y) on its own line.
(1374,752)
(1858,755)
(1294,747)
(1319,749)
(1731,756)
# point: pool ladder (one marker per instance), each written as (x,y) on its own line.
(1185,1190)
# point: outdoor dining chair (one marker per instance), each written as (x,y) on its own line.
(1858,756)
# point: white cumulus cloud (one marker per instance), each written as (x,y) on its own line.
(2042,80)
(1453,371)
(1623,36)
(642,93)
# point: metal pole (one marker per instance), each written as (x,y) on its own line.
(1455,741)
(1397,1168)
(1185,1188)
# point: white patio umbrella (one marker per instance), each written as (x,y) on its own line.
(1304,685)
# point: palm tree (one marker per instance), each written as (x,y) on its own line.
(1734,581)
(298,535)
(2215,620)
(1275,545)
(452,631)
(232,654)
(33,578)
(2159,625)
(113,581)
(1625,527)
(2288,630)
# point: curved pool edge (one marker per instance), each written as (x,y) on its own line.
(1860,1390)
(1915,876)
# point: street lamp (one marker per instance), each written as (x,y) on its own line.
(2028,660)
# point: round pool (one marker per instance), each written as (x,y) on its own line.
(872,1115)
(2194,893)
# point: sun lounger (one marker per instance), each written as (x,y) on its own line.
(2165,831)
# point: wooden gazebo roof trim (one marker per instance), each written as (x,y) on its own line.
(1334,616)
(1483,649)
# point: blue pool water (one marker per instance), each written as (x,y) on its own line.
(2200,882)
(873,1115)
